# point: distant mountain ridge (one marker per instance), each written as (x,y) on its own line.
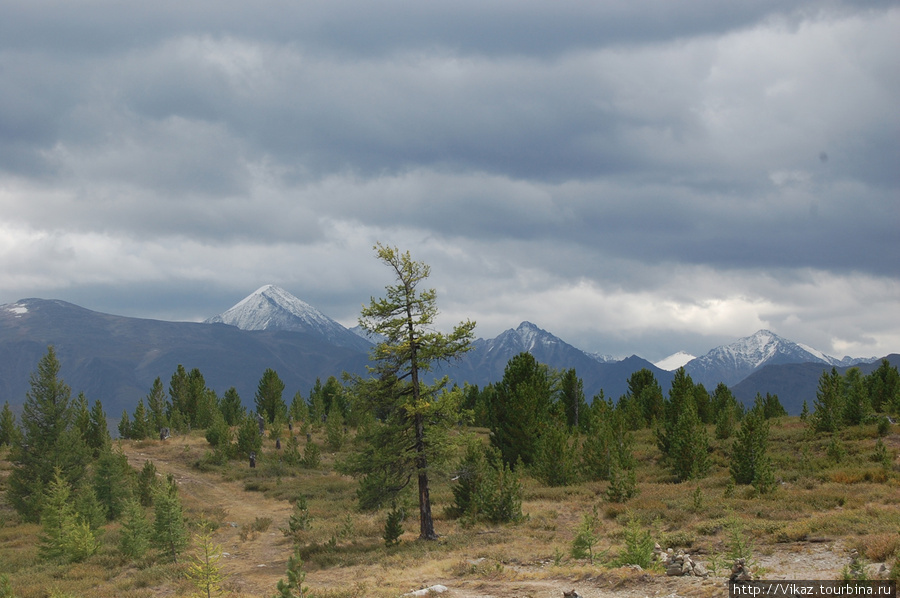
(115,359)
(732,363)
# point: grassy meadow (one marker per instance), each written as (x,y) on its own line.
(833,491)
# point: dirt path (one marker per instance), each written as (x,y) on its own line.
(254,561)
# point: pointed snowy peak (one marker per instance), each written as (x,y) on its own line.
(674,361)
(272,308)
(732,363)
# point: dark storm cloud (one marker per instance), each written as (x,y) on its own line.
(652,168)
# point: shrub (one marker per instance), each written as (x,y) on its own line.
(487,489)
(393,526)
(587,536)
(639,546)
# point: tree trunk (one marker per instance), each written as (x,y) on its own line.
(426,522)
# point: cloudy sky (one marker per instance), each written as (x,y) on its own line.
(635,176)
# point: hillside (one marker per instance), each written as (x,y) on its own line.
(116,359)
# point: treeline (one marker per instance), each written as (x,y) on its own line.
(67,476)
(853,399)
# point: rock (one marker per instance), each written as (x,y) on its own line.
(740,571)
(700,570)
(438,589)
(673,570)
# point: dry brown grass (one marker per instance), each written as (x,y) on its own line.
(345,556)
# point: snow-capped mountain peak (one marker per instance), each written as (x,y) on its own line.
(734,362)
(272,308)
(674,361)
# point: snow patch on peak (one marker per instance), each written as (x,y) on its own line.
(674,361)
(530,335)
(18,309)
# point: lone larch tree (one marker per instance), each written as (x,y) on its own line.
(405,436)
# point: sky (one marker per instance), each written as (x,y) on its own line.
(634,176)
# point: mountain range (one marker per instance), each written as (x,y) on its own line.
(115,358)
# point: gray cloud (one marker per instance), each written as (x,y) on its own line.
(633,176)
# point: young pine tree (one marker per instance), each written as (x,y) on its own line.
(49,440)
(750,463)
(204,569)
(136,532)
(556,457)
(587,536)
(170,535)
(66,536)
(9,431)
(293,587)
(393,526)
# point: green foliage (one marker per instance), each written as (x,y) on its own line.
(828,409)
(88,507)
(520,409)
(836,450)
(393,525)
(147,484)
(317,407)
(113,482)
(597,449)
(299,410)
(135,534)
(192,403)
(218,434)
(269,396)
(857,405)
(738,543)
(409,435)
(49,440)
(771,406)
(65,536)
(97,434)
(688,455)
(140,425)
(249,440)
(293,587)
(607,452)
(487,489)
(881,456)
(587,536)
(639,546)
(682,437)
(231,407)
(334,429)
(571,397)
(556,457)
(312,456)
(204,569)
(6,590)
(622,483)
(300,519)
(292,455)
(9,431)
(157,405)
(726,411)
(884,388)
(125,425)
(750,463)
(643,402)
(169,535)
